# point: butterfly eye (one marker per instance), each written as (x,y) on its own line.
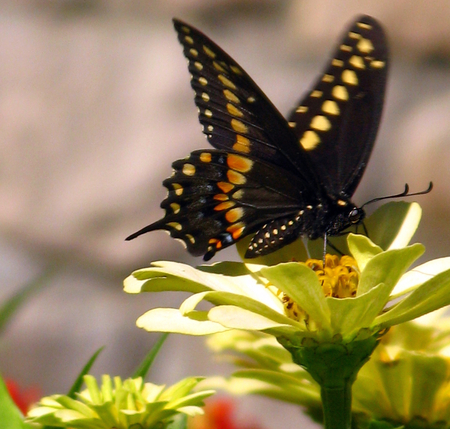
(355,215)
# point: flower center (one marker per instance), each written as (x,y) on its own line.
(339,279)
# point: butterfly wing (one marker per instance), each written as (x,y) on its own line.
(338,120)
(235,114)
(217,197)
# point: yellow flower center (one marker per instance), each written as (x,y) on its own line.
(339,279)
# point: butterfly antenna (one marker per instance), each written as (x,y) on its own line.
(405,193)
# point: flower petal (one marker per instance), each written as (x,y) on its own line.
(171,320)
(234,317)
(362,249)
(388,267)
(301,284)
(349,315)
(421,274)
(226,298)
(431,295)
(173,276)
(393,224)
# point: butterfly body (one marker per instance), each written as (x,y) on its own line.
(277,178)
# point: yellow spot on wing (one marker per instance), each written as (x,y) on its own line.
(330,107)
(234,215)
(238,194)
(340,92)
(377,64)
(316,94)
(189,40)
(337,63)
(292,124)
(198,66)
(242,144)
(218,67)
(239,163)
(309,140)
(175,208)
(205,157)
(327,78)
(236,178)
(354,35)
(188,169)
(227,82)
(357,62)
(175,225)
(177,188)
(205,96)
(203,81)
(364,25)
(239,126)
(365,46)
(193,52)
(301,109)
(190,238)
(224,206)
(230,96)
(208,113)
(346,48)
(349,77)
(236,70)
(185,29)
(320,123)
(225,186)
(233,110)
(208,52)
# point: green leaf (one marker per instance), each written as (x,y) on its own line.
(12,304)
(76,387)
(10,416)
(143,368)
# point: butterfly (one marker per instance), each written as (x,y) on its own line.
(279,179)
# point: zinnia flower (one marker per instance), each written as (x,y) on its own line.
(120,404)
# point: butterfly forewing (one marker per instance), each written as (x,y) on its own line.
(338,120)
(235,114)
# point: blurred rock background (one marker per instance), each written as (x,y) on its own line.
(95,104)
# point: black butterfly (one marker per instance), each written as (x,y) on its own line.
(281,179)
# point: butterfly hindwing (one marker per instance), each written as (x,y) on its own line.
(217,197)
(338,120)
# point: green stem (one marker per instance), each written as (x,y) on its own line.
(337,406)
(334,365)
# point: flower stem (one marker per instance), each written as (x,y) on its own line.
(337,406)
(334,365)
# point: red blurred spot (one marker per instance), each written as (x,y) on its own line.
(23,398)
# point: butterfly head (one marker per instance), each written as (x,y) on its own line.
(345,216)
